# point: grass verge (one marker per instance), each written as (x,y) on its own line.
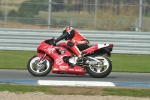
(121,62)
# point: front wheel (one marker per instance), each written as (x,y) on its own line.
(102,71)
(37,69)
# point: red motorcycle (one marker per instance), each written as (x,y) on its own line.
(59,59)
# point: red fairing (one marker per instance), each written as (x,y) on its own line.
(66,69)
(62,44)
(91,49)
(59,66)
(41,55)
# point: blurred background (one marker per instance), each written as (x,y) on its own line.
(113,15)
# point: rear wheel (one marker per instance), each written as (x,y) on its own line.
(104,69)
(37,69)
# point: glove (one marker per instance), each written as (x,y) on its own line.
(53,42)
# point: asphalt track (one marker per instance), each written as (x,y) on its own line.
(118,78)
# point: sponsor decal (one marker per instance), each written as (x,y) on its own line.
(78,70)
(102,45)
(63,67)
(50,50)
(71,69)
(59,60)
(55,68)
(80,42)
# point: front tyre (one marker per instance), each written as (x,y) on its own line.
(37,69)
(100,72)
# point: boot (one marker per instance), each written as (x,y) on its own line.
(71,65)
(81,58)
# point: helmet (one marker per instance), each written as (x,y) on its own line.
(69,30)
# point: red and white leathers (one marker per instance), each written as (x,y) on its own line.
(76,40)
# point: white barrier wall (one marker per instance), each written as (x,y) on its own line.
(124,41)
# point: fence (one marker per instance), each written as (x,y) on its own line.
(118,15)
(124,42)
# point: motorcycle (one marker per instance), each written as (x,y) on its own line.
(59,59)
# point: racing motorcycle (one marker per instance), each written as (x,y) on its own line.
(60,59)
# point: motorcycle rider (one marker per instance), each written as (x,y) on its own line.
(76,43)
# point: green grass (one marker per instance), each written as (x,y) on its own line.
(131,63)
(15,59)
(60,90)
(121,62)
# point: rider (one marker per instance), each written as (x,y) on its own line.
(76,41)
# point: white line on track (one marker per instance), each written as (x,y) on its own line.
(74,83)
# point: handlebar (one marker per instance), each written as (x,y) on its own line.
(51,41)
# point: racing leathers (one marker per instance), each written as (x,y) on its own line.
(76,42)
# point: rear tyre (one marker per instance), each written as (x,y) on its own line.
(100,72)
(39,70)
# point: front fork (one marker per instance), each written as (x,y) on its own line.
(42,59)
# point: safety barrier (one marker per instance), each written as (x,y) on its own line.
(126,42)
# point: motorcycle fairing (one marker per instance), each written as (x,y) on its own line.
(78,70)
(99,49)
(59,66)
(106,48)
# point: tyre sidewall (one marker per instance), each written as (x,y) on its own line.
(100,75)
(38,74)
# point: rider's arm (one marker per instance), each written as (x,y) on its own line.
(63,36)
